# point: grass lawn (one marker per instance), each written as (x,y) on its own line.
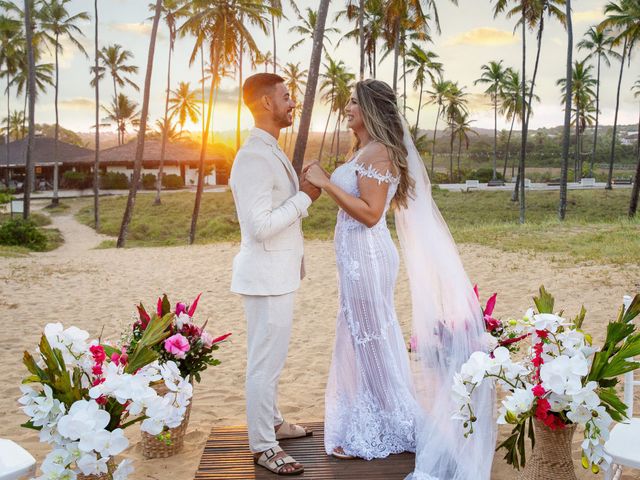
(596,230)
(54,237)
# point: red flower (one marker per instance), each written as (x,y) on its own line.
(98,353)
(491,323)
(542,333)
(101,400)
(491,304)
(194,305)
(97,369)
(98,381)
(538,391)
(537,361)
(220,338)
(542,408)
(159,307)
(509,341)
(144,317)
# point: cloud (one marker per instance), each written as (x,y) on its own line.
(484,36)
(78,103)
(588,16)
(479,102)
(143,29)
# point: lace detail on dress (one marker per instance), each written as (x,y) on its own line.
(368,431)
(371,172)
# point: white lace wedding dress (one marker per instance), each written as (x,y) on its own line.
(370,406)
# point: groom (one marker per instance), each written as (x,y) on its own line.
(270,202)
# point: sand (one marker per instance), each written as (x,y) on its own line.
(95,289)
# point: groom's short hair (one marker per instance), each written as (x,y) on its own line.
(258,85)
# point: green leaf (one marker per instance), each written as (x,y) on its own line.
(544,301)
(614,406)
(633,311)
(143,353)
(580,318)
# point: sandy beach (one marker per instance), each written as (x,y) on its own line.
(98,289)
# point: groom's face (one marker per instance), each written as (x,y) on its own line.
(281,106)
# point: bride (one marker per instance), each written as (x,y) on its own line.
(374,405)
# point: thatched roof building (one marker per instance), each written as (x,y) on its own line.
(68,154)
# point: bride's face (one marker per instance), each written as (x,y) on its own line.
(354,113)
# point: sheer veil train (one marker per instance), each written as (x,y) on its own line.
(447,327)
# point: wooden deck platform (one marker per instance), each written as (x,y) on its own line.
(226,457)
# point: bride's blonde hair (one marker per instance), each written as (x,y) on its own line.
(383,122)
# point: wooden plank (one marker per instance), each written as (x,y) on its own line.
(226,456)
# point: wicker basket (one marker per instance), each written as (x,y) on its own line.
(154,448)
(111,465)
(551,458)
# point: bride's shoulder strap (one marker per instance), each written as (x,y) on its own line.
(373,162)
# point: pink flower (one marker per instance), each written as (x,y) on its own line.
(491,323)
(491,304)
(207,340)
(193,306)
(221,338)
(180,308)
(177,345)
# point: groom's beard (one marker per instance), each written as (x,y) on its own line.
(285,119)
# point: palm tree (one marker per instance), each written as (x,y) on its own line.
(169,11)
(343,89)
(10,43)
(123,112)
(31,63)
(220,24)
(623,18)
(635,192)
(437,97)
(137,165)
(493,75)
(582,85)
(96,160)
(511,108)
(333,79)
(263,58)
(276,15)
(14,126)
(305,28)
(312,83)
(454,108)
(373,23)
(114,59)
(462,128)
(568,93)
(294,78)
(423,64)
(59,25)
(184,103)
(597,42)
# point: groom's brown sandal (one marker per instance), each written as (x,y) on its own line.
(290,430)
(276,461)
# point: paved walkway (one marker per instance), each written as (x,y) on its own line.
(463,187)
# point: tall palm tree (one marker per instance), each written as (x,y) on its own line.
(373,23)
(123,112)
(312,83)
(635,192)
(305,28)
(437,96)
(568,93)
(31,63)
(462,129)
(344,86)
(114,60)
(334,79)
(14,129)
(96,159)
(137,165)
(422,64)
(294,77)
(218,25)
(623,18)
(277,15)
(263,58)
(184,103)
(582,86)
(455,107)
(510,107)
(597,42)
(58,24)
(10,43)
(493,75)
(169,12)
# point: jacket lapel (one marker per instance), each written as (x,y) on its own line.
(287,165)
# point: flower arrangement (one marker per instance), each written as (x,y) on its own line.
(90,391)
(189,346)
(497,334)
(562,380)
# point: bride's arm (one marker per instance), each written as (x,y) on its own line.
(369,207)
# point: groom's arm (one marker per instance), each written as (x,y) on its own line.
(254,186)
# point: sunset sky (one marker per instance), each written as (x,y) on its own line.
(470,37)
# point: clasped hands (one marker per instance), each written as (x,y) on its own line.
(313,180)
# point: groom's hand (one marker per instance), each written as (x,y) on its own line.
(310,189)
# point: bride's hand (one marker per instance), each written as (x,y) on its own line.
(315,175)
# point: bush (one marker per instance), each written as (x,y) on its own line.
(76,180)
(22,233)
(114,181)
(149,181)
(172,181)
(5,197)
(483,175)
